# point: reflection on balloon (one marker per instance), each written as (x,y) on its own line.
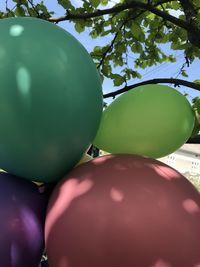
(151,120)
(125,211)
(22,216)
(50,104)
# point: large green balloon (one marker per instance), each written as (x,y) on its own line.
(151,120)
(50,99)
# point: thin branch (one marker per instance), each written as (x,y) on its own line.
(193,22)
(118,8)
(6,3)
(7,9)
(110,47)
(34,8)
(14,7)
(176,82)
(185,64)
(190,12)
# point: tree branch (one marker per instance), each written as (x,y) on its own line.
(34,8)
(6,3)
(110,47)
(118,8)
(176,82)
(191,17)
(190,12)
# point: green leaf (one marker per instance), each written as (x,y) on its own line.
(196,3)
(65,3)
(119,80)
(97,49)
(104,2)
(151,16)
(19,11)
(94,34)
(136,47)
(175,5)
(79,27)
(32,12)
(101,77)
(183,73)
(198,109)
(9,13)
(95,3)
(171,59)
(20,2)
(42,7)
(196,125)
(106,70)
(197,81)
(136,30)
(120,47)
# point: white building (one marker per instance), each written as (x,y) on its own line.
(185,160)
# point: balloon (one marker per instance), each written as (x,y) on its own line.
(85,158)
(151,120)
(22,217)
(123,210)
(50,99)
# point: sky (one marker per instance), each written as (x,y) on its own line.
(164,70)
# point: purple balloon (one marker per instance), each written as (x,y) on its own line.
(22,216)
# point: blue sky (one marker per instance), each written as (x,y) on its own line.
(165,70)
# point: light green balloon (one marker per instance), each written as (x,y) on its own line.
(151,120)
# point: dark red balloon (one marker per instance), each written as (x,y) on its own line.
(22,217)
(124,211)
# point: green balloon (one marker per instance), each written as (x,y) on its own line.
(50,99)
(151,120)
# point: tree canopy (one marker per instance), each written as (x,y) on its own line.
(139,27)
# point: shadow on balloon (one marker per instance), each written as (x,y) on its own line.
(125,211)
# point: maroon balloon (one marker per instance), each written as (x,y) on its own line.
(124,211)
(22,217)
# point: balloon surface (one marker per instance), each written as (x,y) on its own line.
(22,217)
(151,120)
(125,211)
(50,99)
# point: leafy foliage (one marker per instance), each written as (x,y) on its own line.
(196,108)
